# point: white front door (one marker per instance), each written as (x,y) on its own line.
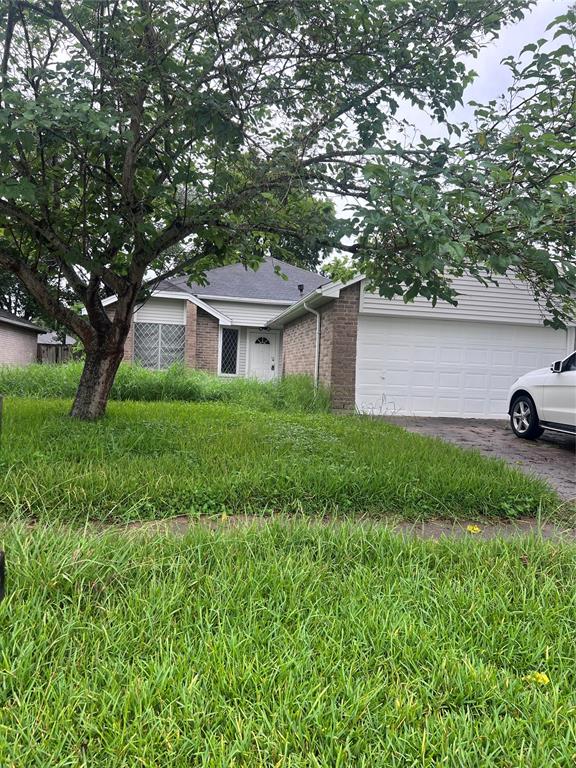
(263,347)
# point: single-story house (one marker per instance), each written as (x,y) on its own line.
(18,340)
(376,355)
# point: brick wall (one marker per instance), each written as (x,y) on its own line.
(298,346)
(338,333)
(190,336)
(129,343)
(18,346)
(344,322)
(207,328)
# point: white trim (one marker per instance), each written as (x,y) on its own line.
(244,300)
(224,320)
(220,331)
(313,299)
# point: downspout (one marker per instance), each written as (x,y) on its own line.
(317,352)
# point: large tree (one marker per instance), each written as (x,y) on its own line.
(497,196)
(145,138)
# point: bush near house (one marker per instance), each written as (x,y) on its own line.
(296,646)
(294,393)
(155,460)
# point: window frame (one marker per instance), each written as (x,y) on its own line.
(157,366)
(220,346)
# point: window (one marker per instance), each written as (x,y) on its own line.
(229,351)
(262,340)
(158,345)
(570,363)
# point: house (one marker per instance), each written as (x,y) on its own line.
(18,340)
(55,348)
(376,355)
(221,327)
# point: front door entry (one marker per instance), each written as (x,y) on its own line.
(263,360)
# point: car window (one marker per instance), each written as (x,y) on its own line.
(570,364)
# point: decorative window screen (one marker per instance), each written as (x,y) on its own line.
(262,340)
(158,345)
(229,351)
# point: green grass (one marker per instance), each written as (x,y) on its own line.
(296,647)
(291,393)
(153,460)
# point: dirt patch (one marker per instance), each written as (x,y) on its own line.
(431,529)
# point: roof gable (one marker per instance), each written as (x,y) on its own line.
(235,281)
(8,317)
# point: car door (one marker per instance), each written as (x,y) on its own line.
(560,395)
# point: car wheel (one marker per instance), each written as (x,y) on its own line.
(524,418)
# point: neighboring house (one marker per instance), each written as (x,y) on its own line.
(18,340)
(375,354)
(54,348)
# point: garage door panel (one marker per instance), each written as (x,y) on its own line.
(438,367)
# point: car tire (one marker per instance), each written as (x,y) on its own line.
(524,418)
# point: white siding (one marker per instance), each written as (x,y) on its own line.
(414,367)
(246,313)
(242,349)
(510,302)
(168,311)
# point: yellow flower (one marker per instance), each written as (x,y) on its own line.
(541,678)
(224,517)
(473,529)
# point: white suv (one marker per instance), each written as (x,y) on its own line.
(545,399)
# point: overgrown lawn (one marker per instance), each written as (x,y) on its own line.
(292,646)
(154,460)
(133,382)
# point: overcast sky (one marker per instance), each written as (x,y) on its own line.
(493,77)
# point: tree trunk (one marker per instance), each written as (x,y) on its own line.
(96,381)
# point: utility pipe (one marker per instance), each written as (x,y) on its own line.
(317,353)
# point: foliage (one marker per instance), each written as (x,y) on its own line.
(290,645)
(14,299)
(154,460)
(291,393)
(131,128)
(499,196)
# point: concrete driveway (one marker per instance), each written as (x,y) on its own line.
(552,457)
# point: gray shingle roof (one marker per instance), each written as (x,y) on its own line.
(8,317)
(237,281)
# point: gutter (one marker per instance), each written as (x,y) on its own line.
(317,350)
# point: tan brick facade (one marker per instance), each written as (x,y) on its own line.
(190,336)
(298,344)
(338,333)
(207,330)
(129,345)
(18,345)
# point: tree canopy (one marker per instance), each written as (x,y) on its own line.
(497,196)
(146,138)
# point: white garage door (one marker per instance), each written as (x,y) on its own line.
(421,367)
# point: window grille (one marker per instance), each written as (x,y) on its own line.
(158,345)
(262,340)
(229,351)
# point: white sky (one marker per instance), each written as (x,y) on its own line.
(493,77)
